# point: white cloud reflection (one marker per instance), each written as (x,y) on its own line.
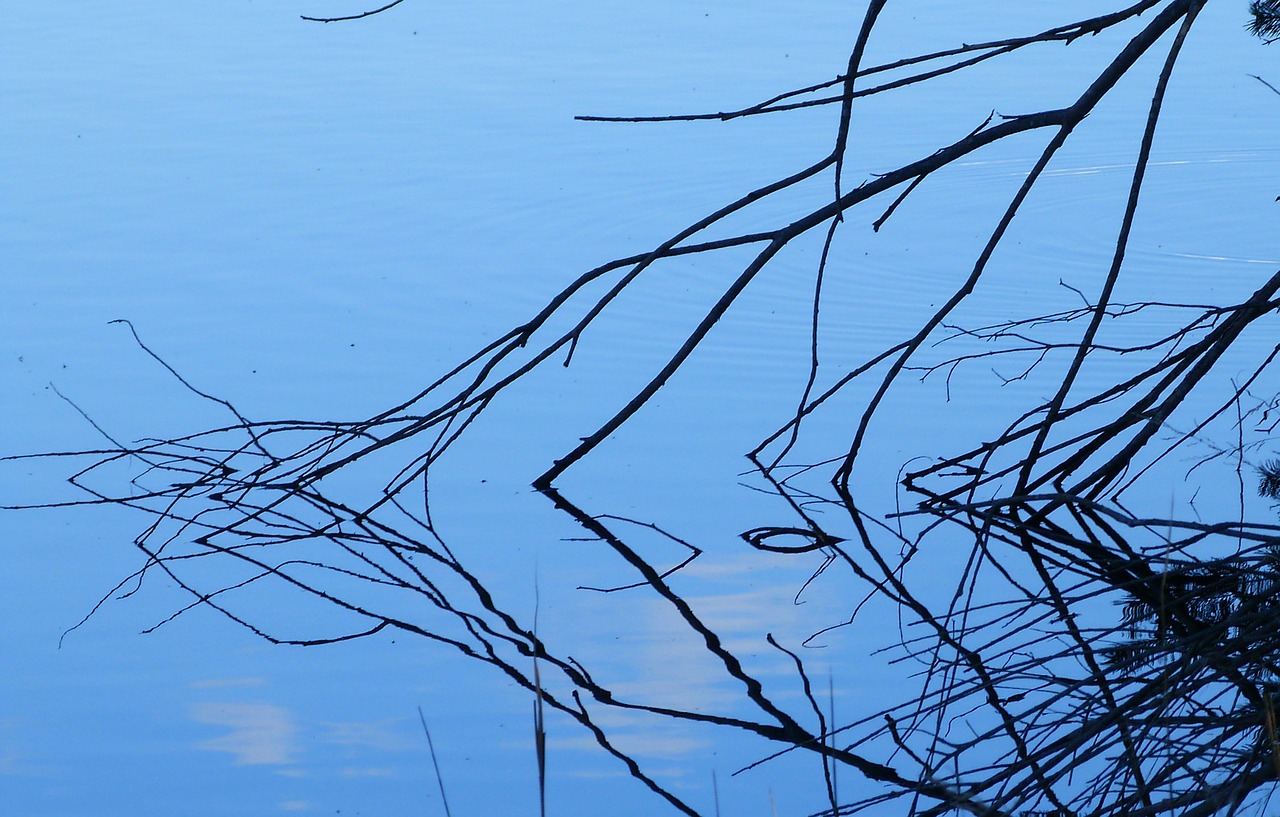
(352,773)
(654,657)
(642,740)
(225,683)
(261,734)
(386,735)
(296,805)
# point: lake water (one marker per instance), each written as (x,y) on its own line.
(314,220)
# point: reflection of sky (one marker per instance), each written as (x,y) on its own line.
(313,219)
(263,734)
(259,734)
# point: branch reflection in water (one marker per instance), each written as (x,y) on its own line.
(1021,689)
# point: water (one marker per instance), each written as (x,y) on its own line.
(314,220)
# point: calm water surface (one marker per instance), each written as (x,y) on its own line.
(314,220)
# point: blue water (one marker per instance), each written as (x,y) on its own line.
(313,220)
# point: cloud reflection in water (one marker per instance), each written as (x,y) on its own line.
(261,734)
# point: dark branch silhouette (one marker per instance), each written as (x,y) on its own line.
(1084,658)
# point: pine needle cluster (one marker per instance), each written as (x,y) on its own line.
(1266,19)
(1269,479)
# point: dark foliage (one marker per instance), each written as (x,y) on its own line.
(1269,479)
(1266,18)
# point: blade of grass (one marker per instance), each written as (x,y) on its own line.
(831,736)
(435,763)
(539,733)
